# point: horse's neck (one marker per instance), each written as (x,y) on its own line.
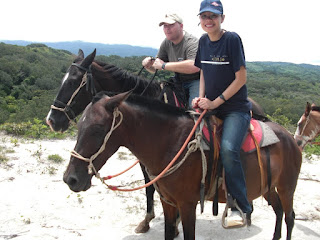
(123,81)
(154,141)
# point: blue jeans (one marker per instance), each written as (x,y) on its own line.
(235,127)
(191,89)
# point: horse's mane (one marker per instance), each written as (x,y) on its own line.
(150,104)
(315,108)
(129,80)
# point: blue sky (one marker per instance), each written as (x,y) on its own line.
(283,30)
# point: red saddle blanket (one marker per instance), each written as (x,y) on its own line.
(248,144)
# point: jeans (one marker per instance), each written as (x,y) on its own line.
(191,89)
(235,127)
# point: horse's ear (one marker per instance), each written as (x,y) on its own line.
(308,109)
(89,59)
(116,100)
(80,54)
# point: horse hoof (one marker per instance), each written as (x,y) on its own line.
(249,219)
(249,222)
(143,227)
(176,232)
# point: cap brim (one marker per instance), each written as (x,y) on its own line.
(166,21)
(209,9)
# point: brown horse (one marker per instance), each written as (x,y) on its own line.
(308,127)
(154,132)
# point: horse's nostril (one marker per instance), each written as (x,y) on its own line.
(71,181)
(299,142)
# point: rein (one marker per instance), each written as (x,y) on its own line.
(90,160)
(154,75)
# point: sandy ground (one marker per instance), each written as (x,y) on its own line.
(36,204)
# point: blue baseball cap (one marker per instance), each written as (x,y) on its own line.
(214,6)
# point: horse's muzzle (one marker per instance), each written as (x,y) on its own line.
(75,184)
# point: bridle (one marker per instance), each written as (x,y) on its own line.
(114,126)
(86,80)
(305,125)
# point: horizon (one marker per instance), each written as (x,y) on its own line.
(315,63)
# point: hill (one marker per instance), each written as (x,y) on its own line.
(121,50)
(31,75)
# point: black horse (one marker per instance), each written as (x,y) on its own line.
(86,76)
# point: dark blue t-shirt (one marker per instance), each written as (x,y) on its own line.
(220,60)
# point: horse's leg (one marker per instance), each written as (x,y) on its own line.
(249,215)
(170,216)
(144,225)
(273,196)
(188,219)
(286,197)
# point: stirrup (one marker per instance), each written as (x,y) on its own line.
(230,204)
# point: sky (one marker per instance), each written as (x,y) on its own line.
(278,31)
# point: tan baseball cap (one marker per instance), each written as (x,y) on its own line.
(171,18)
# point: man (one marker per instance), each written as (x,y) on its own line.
(177,54)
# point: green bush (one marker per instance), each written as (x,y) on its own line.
(35,129)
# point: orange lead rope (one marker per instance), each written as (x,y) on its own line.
(114,188)
(116,175)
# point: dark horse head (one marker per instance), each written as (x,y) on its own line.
(85,77)
(72,95)
(94,125)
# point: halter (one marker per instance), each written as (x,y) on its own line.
(305,125)
(91,168)
(87,78)
(305,138)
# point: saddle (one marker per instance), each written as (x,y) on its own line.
(258,132)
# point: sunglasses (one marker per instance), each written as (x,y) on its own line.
(211,17)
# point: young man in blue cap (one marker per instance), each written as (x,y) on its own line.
(223,79)
(176,54)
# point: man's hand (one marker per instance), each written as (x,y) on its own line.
(158,64)
(148,62)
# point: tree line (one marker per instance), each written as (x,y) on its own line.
(30,77)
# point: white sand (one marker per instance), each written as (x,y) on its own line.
(35,204)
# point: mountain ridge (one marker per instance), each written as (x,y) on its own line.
(122,50)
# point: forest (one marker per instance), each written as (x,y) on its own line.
(30,77)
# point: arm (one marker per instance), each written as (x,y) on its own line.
(233,88)
(186,66)
(202,92)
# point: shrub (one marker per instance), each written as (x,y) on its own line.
(55,158)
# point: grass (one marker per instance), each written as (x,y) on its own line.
(3,157)
(122,155)
(56,158)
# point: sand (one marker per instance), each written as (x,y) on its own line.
(36,204)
